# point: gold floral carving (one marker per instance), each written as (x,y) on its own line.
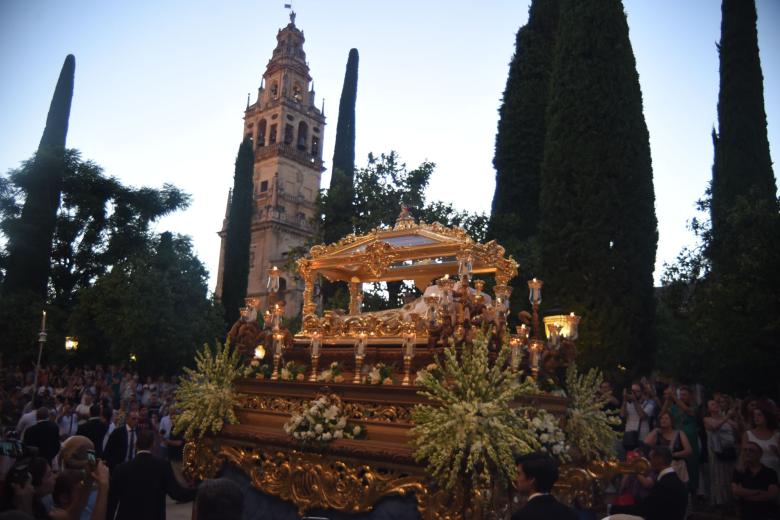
(357,411)
(378,257)
(313,480)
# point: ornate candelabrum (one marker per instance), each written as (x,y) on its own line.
(408,347)
(535,349)
(278,346)
(316,342)
(535,297)
(273,279)
(360,354)
(503,292)
(573,322)
(516,343)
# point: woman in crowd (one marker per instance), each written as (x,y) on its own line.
(676,440)
(683,413)
(722,429)
(764,433)
(71,493)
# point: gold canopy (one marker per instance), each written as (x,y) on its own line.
(407,251)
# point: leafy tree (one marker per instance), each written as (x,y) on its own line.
(100,223)
(726,290)
(30,236)
(514,219)
(743,166)
(239,234)
(154,304)
(338,211)
(597,218)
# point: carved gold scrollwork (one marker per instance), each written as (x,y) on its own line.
(378,257)
(356,411)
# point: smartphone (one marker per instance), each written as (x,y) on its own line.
(91,459)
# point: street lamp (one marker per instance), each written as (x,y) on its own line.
(71,343)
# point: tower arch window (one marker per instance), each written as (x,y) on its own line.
(303,135)
(261,133)
(274,89)
(315,146)
(272,135)
(288,134)
(297,91)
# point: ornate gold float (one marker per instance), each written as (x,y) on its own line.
(351,475)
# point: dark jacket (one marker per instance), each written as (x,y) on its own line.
(545,507)
(44,435)
(116,447)
(95,430)
(667,500)
(138,488)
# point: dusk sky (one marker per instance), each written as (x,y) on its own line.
(161,88)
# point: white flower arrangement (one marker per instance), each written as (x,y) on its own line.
(552,438)
(332,374)
(257,369)
(379,374)
(588,424)
(431,370)
(470,432)
(292,371)
(205,395)
(322,421)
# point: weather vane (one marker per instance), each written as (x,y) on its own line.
(292,13)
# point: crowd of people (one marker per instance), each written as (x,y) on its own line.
(93,443)
(97,442)
(725,450)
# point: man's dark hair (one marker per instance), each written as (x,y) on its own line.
(94,410)
(219,499)
(662,452)
(42,413)
(540,467)
(145,439)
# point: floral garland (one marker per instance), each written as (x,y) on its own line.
(470,433)
(551,437)
(205,395)
(379,374)
(258,370)
(292,371)
(322,421)
(588,424)
(332,374)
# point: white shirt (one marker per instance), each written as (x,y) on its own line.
(68,424)
(25,421)
(635,422)
(665,471)
(166,425)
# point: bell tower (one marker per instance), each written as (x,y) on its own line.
(286,129)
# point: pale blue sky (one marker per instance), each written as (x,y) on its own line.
(161,87)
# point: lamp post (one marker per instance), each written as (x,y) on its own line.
(41,341)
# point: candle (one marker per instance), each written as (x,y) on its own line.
(43,321)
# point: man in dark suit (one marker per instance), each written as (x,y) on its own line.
(668,498)
(138,488)
(121,444)
(536,475)
(44,435)
(94,429)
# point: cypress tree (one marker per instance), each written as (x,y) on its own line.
(514,219)
(338,209)
(30,243)
(238,234)
(597,219)
(742,166)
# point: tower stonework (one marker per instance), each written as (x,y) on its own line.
(287,131)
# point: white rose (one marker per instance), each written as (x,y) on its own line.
(356,431)
(338,434)
(318,428)
(326,436)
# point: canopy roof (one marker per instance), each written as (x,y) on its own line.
(407,251)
